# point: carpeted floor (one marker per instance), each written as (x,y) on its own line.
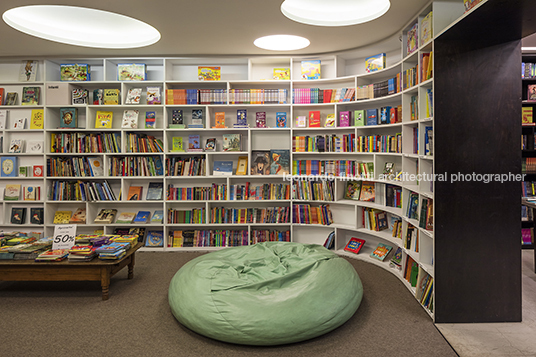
(70,319)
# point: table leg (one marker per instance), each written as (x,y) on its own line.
(105,282)
(131,266)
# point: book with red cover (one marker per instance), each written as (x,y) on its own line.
(314,119)
(354,245)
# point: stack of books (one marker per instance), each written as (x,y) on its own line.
(112,251)
(81,253)
(52,255)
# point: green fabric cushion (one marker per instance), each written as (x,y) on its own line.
(269,293)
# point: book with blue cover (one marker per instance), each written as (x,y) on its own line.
(154,191)
(142,217)
(222,168)
(372,116)
(154,239)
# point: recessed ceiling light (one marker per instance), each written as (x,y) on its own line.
(81,26)
(334,12)
(281,42)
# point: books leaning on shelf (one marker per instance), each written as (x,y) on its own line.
(260,119)
(75,72)
(62,217)
(194,143)
(396,260)
(222,168)
(330,241)
(197,119)
(232,142)
(210,144)
(241,118)
(354,245)
(311,69)
(242,166)
(36,215)
(353,190)
(375,63)
(131,71)
(37,119)
(130,119)
(28,71)
(177,120)
(281,74)
(78,217)
(68,118)
(134,193)
(158,216)
(80,96)
(16,146)
(125,217)
(154,239)
(150,120)
(281,119)
(110,96)
(153,96)
(155,191)
(412,39)
(426,28)
(205,73)
(106,216)
(219,118)
(30,96)
(133,96)
(381,251)
(12,192)
(103,119)
(142,217)
(31,193)
(11,98)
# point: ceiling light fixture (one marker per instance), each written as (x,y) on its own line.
(81,26)
(282,42)
(334,12)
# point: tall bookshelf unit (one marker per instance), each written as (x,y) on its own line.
(439,252)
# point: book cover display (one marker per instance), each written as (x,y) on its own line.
(281,74)
(412,39)
(375,63)
(28,71)
(131,71)
(280,162)
(76,72)
(68,117)
(311,69)
(205,73)
(281,119)
(354,245)
(260,162)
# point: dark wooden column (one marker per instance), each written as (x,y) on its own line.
(477,122)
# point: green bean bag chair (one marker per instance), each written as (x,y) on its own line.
(269,293)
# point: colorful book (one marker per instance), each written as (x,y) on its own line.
(150,120)
(301,121)
(79,216)
(131,71)
(219,118)
(368,191)
(412,39)
(177,144)
(242,166)
(281,73)
(210,144)
(372,116)
(158,216)
(154,191)
(80,96)
(28,71)
(260,162)
(375,63)
(354,245)
(353,190)
(37,119)
(281,119)
(10,166)
(314,119)
(30,96)
(133,96)
(110,96)
(106,216)
(12,192)
(134,193)
(359,117)
(194,143)
(125,217)
(231,142)
(130,119)
(153,96)
(154,239)
(381,251)
(311,69)
(197,119)
(205,73)
(62,217)
(260,119)
(77,72)
(426,28)
(330,120)
(222,168)
(242,117)
(142,217)
(68,117)
(280,162)
(104,119)
(344,118)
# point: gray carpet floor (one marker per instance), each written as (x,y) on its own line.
(70,319)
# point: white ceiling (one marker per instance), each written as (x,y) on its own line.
(210,27)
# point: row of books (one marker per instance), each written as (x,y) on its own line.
(528,165)
(307,214)
(258,96)
(374,219)
(193,216)
(74,166)
(215,192)
(313,190)
(379,143)
(185,166)
(136,166)
(267,191)
(266,235)
(81,191)
(85,143)
(196,96)
(207,238)
(528,188)
(335,168)
(222,96)
(324,143)
(410,77)
(426,218)
(528,70)
(139,142)
(393,196)
(224,215)
(360,191)
(317,95)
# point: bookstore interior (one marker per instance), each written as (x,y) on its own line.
(375,153)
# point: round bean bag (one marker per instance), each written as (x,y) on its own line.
(269,293)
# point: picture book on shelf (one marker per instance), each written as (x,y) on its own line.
(177,144)
(110,96)
(231,142)
(30,193)
(153,96)
(531,93)
(176,118)
(372,116)
(281,73)
(301,121)
(330,120)
(260,162)
(368,191)
(281,119)
(36,215)
(10,166)
(310,69)
(30,96)
(359,117)
(11,98)
(38,171)
(426,28)
(150,120)
(80,96)
(222,168)
(158,216)
(130,119)
(389,169)
(142,217)
(16,146)
(106,216)
(34,147)
(197,119)
(219,118)
(75,72)
(412,39)
(18,215)
(133,96)
(12,192)
(154,239)
(78,217)
(96,166)
(242,166)
(280,162)
(62,217)
(354,245)
(68,117)
(154,191)
(242,118)
(98,97)
(260,119)
(3,118)
(19,123)
(28,71)
(210,144)
(134,193)
(314,119)
(131,71)
(37,119)
(104,119)
(375,63)
(206,73)
(381,251)
(353,190)
(396,260)
(194,142)
(344,118)
(125,217)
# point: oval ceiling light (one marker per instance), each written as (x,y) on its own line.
(282,42)
(81,26)
(334,12)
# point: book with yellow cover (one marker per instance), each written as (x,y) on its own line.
(104,119)
(37,119)
(208,73)
(62,217)
(110,97)
(281,73)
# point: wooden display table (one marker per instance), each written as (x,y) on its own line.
(94,270)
